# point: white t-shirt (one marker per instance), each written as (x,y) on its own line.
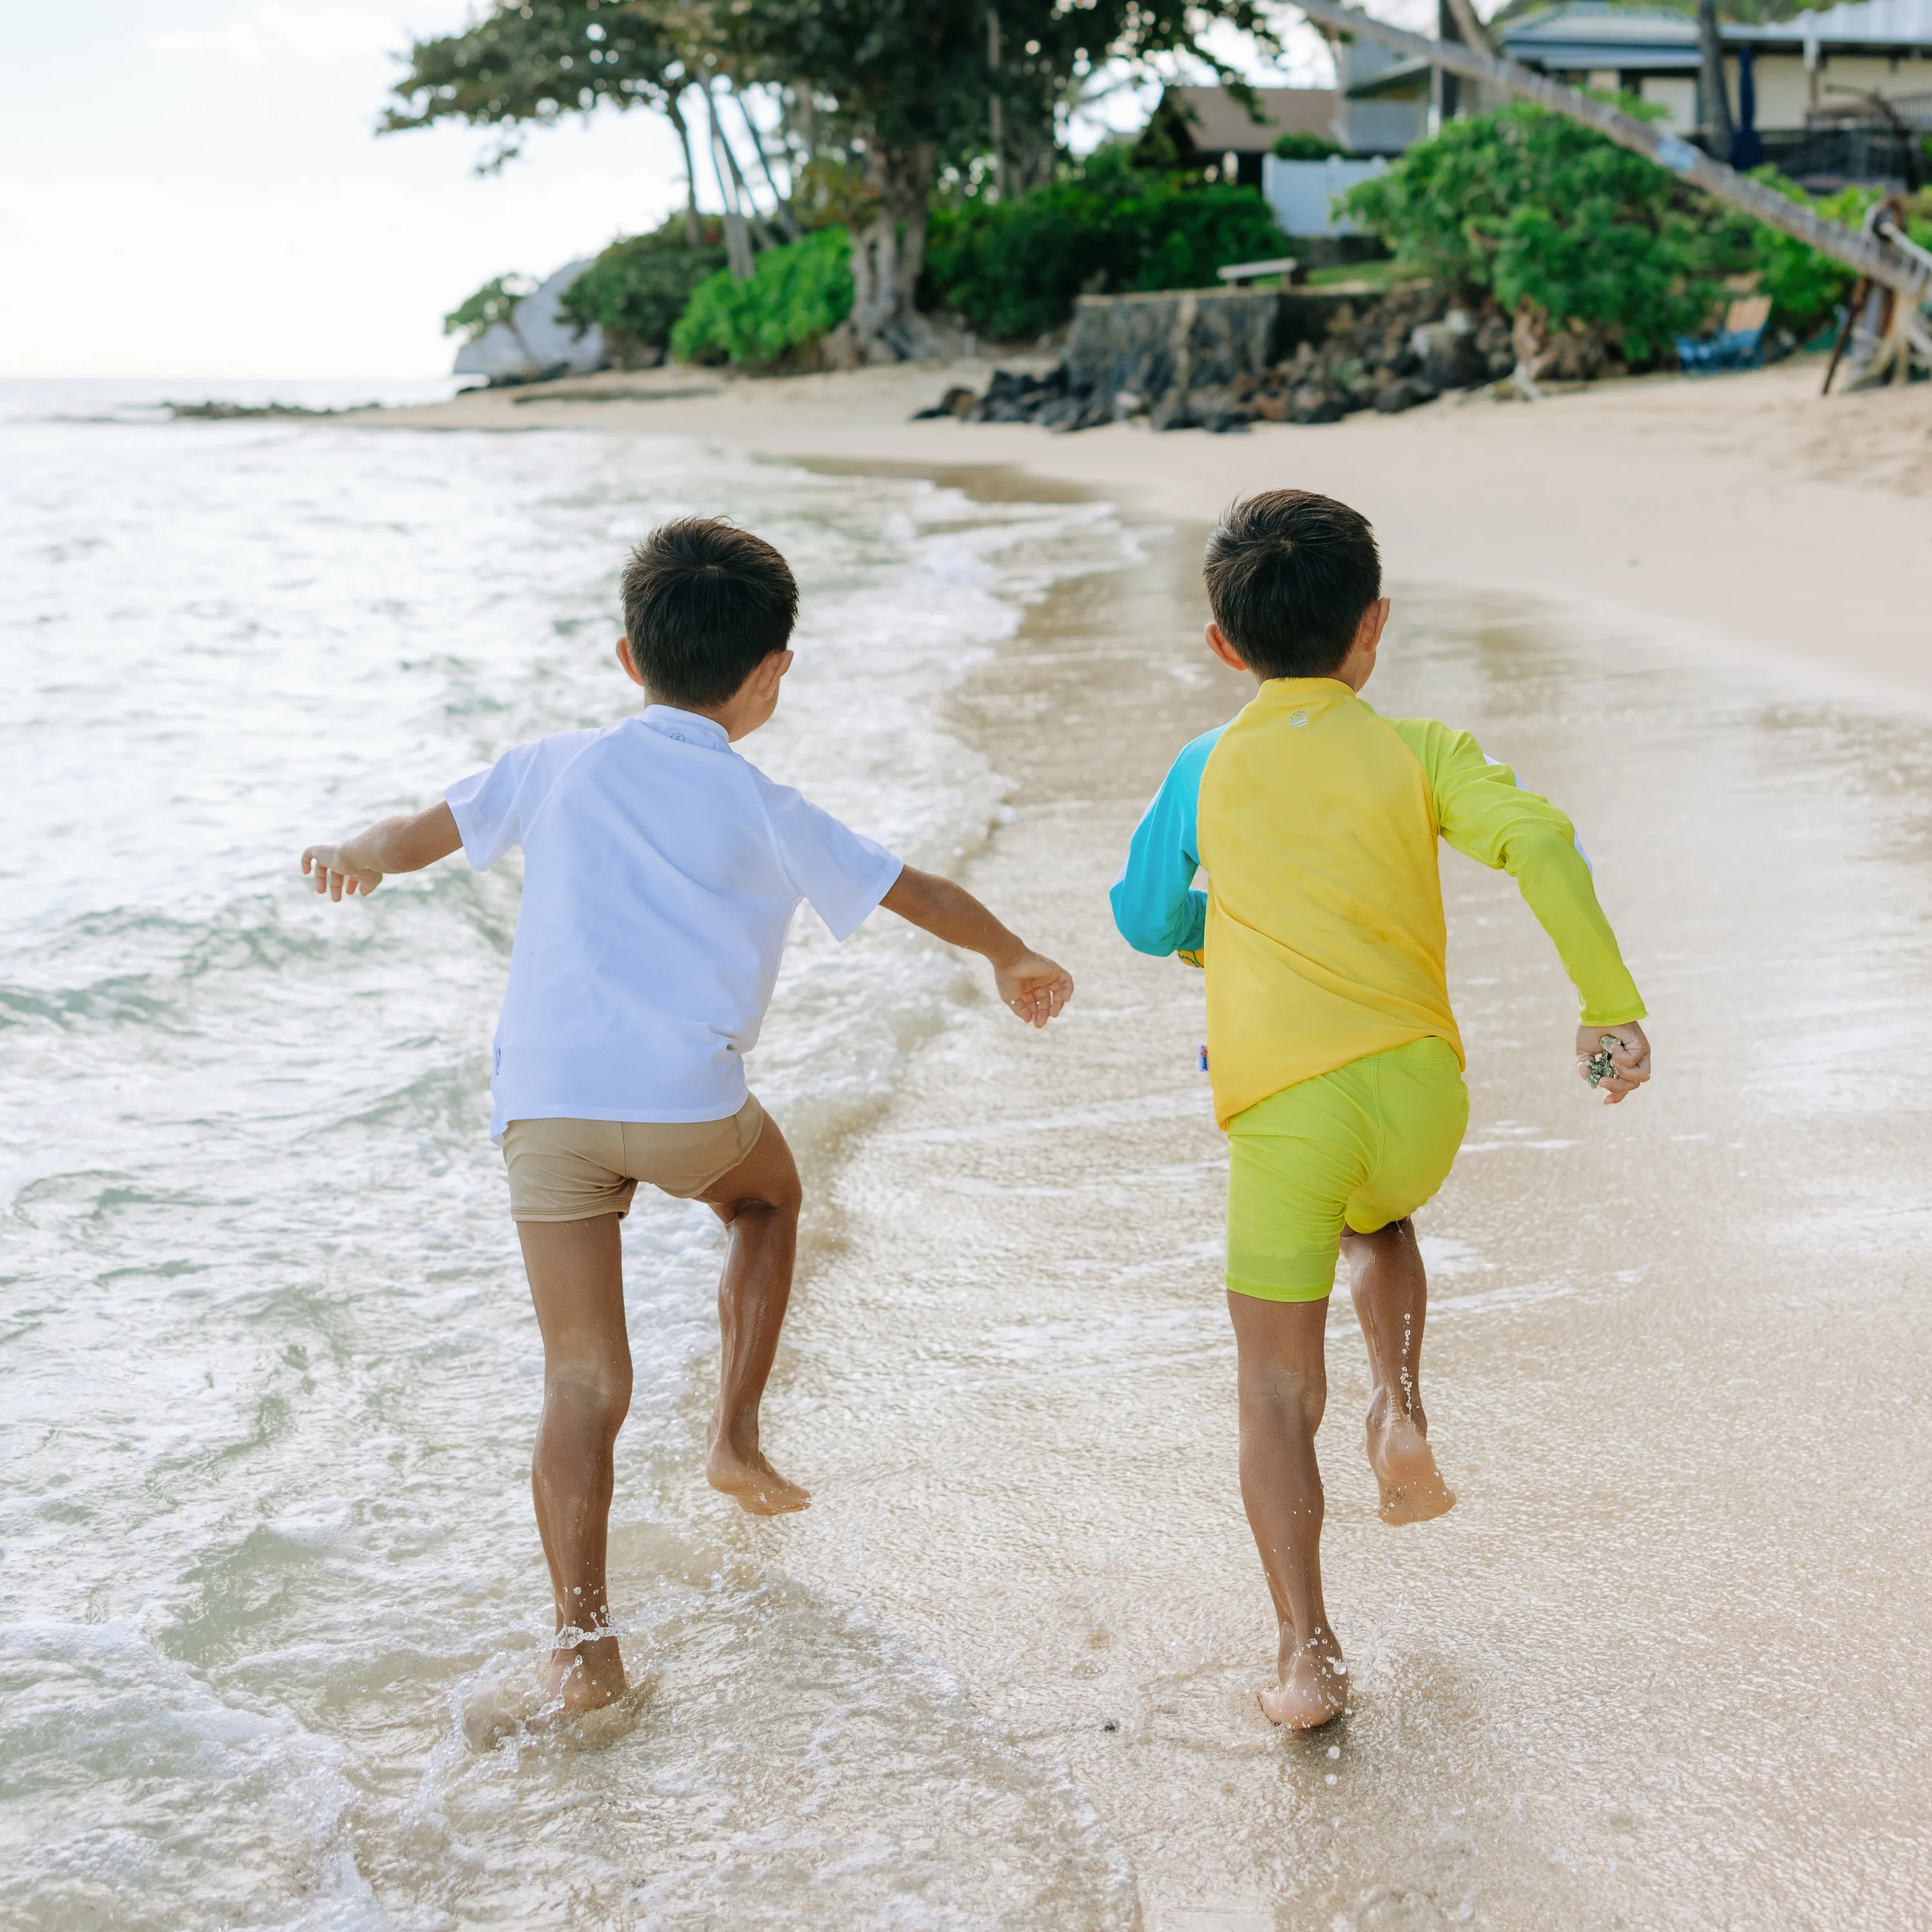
(661,872)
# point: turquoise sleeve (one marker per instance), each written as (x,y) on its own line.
(1484,812)
(1155,904)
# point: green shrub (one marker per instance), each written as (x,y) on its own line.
(491,304)
(1297,147)
(1532,207)
(795,295)
(1012,268)
(1805,287)
(635,291)
(1527,206)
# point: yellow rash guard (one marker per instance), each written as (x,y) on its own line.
(1316,820)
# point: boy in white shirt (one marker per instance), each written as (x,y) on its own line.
(661,871)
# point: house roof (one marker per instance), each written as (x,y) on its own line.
(1216,123)
(1583,33)
(1868,23)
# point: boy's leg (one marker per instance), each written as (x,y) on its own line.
(576,1283)
(1283,1386)
(1391,1296)
(758,1201)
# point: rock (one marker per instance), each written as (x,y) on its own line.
(536,342)
(1310,404)
(1219,408)
(1171,411)
(956,402)
(1494,345)
(1404,394)
(1446,354)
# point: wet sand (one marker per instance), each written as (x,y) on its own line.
(1660,1668)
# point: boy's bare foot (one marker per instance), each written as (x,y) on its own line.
(585,1677)
(758,1487)
(1413,1490)
(1314,1684)
(586,1682)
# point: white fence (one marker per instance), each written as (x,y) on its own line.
(1301,192)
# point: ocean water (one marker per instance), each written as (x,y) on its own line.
(268,1378)
(268,1372)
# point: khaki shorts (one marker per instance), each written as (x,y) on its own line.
(574,1170)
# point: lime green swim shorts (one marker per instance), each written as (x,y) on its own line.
(1361,1147)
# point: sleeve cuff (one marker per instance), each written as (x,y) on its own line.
(886,877)
(458,812)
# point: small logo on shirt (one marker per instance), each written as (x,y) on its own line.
(1298,718)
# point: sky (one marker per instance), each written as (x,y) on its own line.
(194,188)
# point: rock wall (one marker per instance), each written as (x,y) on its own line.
(1219,359)
(1147,345)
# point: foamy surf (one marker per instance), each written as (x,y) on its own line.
(268,1366)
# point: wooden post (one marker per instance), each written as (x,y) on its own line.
(1874,254)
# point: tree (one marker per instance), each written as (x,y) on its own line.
(1714,96)
(520,66)
(1551,218)
(913,84)
(880,94)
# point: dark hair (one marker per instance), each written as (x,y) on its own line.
(1289,575)
(705,604)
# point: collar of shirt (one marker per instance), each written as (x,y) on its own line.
(688,727)
(1292,690)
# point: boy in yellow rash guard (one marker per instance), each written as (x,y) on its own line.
(1334,1058)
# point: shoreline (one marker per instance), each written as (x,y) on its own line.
(1735,511)
(1011,1378)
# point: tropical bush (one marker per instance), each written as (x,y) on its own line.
(1530,208)
(1012,269)
(635,291)
(795,295)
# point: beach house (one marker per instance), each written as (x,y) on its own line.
(1831,96)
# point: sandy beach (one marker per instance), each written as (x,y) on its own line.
(1655,1669)
(1746,508)
(269,1370)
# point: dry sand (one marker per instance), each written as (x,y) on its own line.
(1744,506)
(1662,1666)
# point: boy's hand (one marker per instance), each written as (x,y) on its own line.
(1629,1058)
(1031,984)
(338,869)
(361,864)
(1034,987)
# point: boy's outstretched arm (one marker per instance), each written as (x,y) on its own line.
(1482,811)
(1032,986)
(394,845)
